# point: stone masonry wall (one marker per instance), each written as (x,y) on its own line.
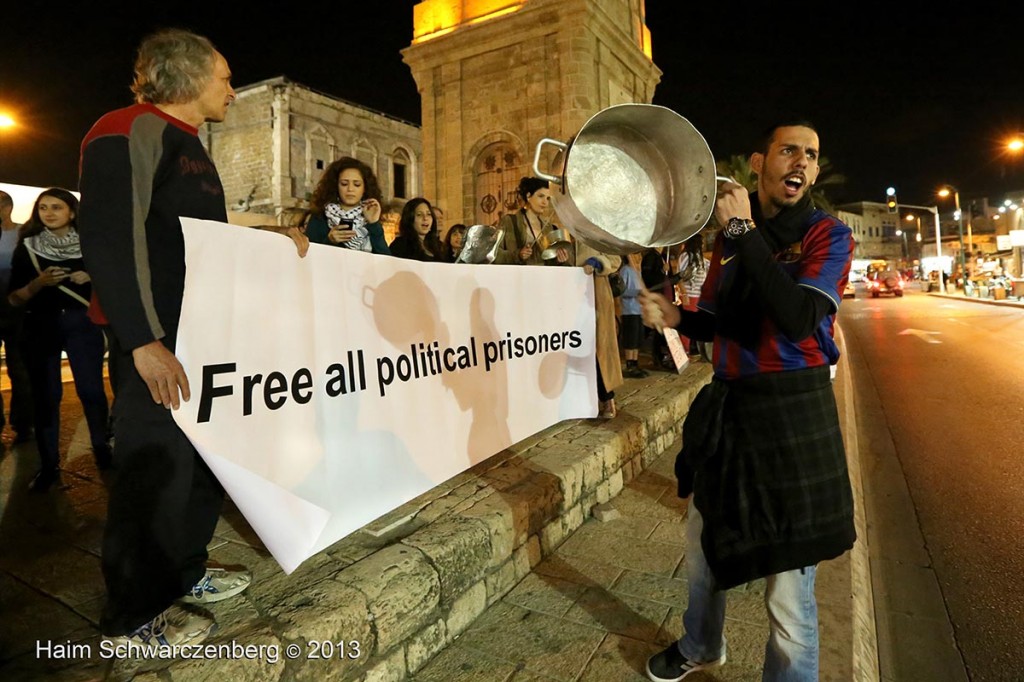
(412,581)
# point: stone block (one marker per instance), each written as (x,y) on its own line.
(606,512)
(615,480)
(551,536)
(240,667)
(507,521)
(500,581)
(402,591)
(327,611)
(390,669)
(466,608)
(459,549)
(424,645)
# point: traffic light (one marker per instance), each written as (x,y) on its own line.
(890,199)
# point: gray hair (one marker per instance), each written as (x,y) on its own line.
(172,67)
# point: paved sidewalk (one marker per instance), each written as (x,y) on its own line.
(595,609)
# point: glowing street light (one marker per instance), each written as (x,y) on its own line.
(1015,145)
(6,121)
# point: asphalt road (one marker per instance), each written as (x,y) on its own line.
(940,403)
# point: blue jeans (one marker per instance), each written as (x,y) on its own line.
(792,651)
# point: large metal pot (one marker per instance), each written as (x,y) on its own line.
(635,176)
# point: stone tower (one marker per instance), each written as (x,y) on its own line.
(497,76)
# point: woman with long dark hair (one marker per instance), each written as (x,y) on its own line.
(417,233)
(48,278)
(525,227)
(345,208)
(453,242)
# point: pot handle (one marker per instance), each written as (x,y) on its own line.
(725,178)
(536,160)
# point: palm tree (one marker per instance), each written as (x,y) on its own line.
(827,181)
(738,168)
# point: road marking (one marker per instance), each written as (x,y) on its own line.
(921,334)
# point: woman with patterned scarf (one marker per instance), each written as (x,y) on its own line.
(48,278)
(346,208)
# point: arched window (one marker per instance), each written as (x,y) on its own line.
(496,175)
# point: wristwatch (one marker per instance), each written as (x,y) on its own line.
(737,227)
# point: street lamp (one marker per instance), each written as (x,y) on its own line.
(945,192)
(910,218)
(906,248)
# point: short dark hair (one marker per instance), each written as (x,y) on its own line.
(6,200)
(765,140)
(529,185)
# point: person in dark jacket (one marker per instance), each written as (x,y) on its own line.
(762,451)
(49,281)
(345,208)
(142,167)
(417,233)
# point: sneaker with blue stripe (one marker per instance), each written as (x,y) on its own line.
(166,629)
(218,584)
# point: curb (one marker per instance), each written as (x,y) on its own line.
(986,301)
(408,584)
(865,665)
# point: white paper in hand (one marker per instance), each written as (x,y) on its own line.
(675,347)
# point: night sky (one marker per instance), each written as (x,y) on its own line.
(900,97)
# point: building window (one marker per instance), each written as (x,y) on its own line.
(319,164)
(399,171)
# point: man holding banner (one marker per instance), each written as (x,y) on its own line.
(141,168)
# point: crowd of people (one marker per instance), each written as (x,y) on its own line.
(770,319)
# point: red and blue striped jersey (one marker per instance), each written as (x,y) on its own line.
(821,262)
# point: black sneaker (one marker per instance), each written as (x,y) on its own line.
(672,666)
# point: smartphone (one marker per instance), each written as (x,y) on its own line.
(345,224)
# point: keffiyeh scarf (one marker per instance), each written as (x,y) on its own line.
(52,247)
(335,214)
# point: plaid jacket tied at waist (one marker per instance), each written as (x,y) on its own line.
(764,458)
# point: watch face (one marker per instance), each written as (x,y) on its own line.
(736,227)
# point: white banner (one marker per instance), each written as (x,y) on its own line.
(328,390)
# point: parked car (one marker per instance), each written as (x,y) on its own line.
(886,282)
(850,291)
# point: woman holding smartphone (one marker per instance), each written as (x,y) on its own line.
(48,278)
(346,208)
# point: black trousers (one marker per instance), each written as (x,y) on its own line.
(20,418)
(164,506)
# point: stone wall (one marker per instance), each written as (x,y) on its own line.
(409,583)
(280,135)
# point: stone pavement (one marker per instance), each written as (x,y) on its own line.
(501,573)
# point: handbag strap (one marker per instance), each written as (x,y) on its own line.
(72,294)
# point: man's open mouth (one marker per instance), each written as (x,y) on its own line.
(794,183)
